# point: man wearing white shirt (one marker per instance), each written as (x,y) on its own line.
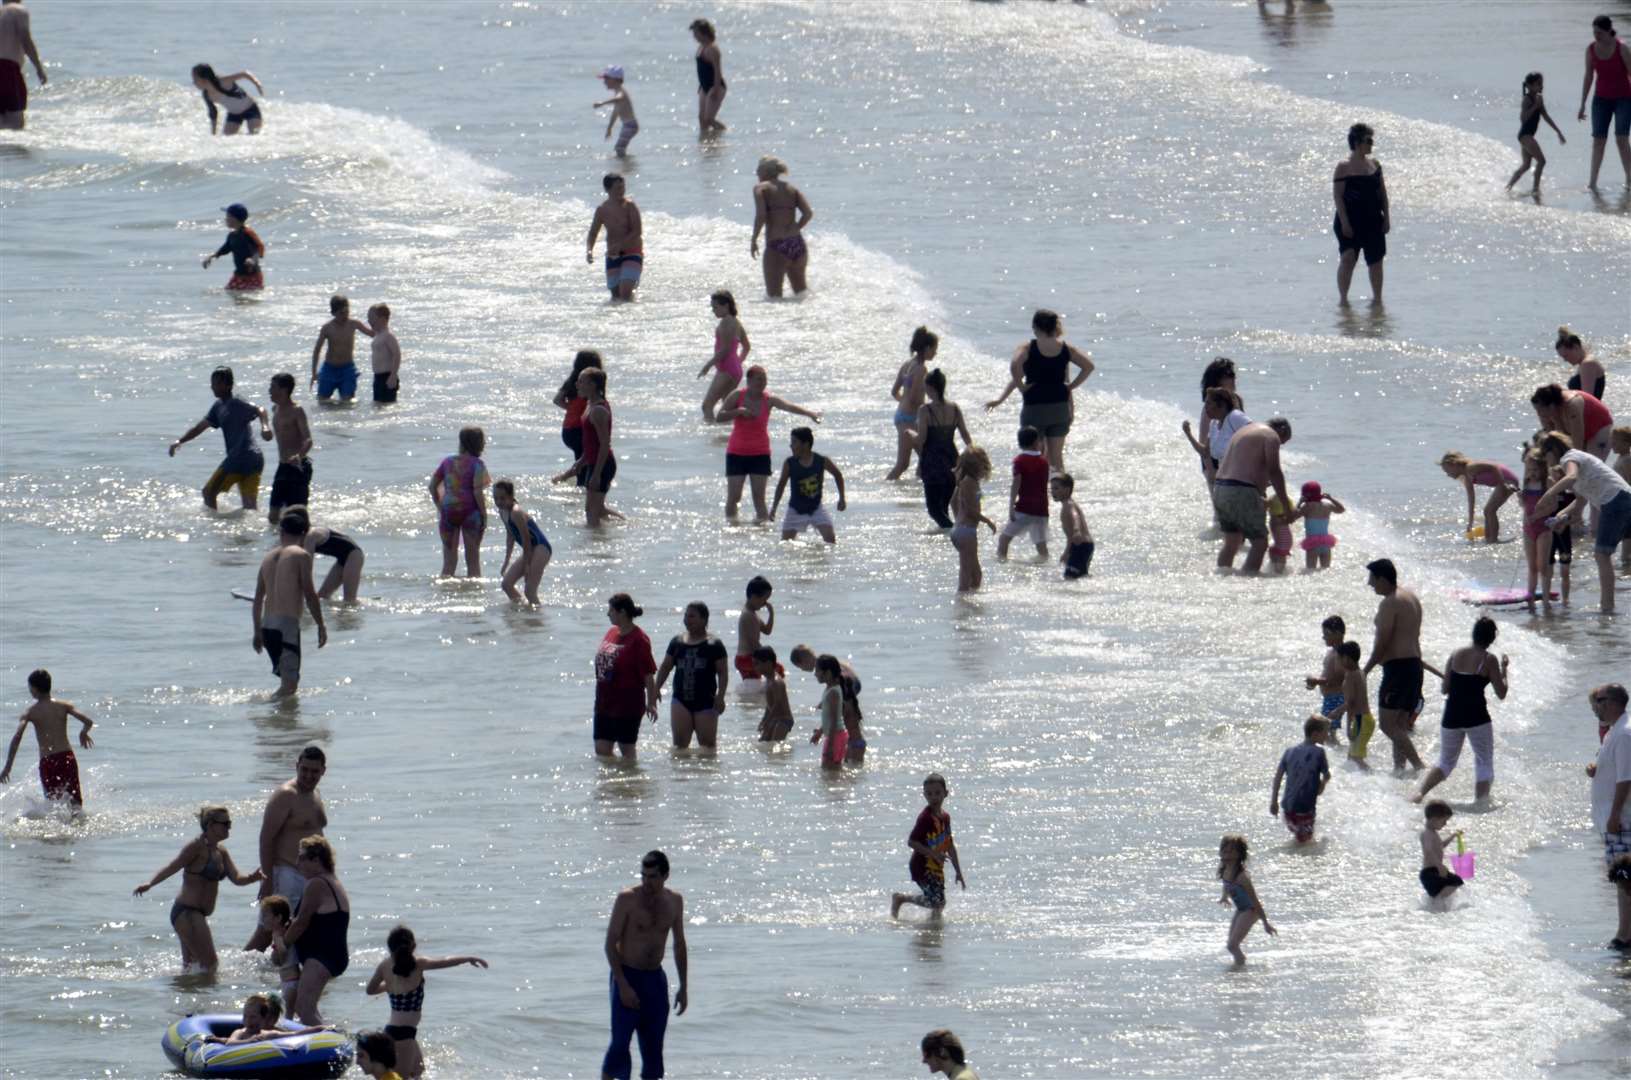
(1611,791)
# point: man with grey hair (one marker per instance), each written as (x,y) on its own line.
(1611,791)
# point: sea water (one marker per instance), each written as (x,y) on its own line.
(1159,174)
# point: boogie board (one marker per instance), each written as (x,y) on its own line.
(1499,597)
(244,594)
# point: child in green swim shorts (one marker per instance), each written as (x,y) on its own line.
(1355,705)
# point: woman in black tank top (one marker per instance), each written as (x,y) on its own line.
(1038,370)
(1466,714)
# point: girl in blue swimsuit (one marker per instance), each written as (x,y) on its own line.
(1237,889)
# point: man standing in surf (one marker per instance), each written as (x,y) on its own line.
(294,812)
(635,941)
(1249,467)
(16,41)
(1398,649)
(285,581)
(621,220)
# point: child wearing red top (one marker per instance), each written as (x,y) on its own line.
(1027,496)
(931,845)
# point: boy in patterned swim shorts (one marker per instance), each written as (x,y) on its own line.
(931,845)
(1305,772)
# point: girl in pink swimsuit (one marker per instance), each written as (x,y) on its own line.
(1458,466)
(731,347)
(747,455)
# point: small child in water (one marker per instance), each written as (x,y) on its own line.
(1305,772)
(1355,702)
(1539,539)
(1435,876)
(59,770)
(932,846)
(520,530)
(385,354)
(1078,554)
(1315,508)
(1028,489)
(1329,681)
(1280,541)
(622,109)
(261,1015)
(1530,113)
(246,250)
(804,658)
(275,917)
(778,716)
(749,628)
(1457,466)
(831,729)
(1237,889)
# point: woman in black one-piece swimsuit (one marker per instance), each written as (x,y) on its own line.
(1361,223)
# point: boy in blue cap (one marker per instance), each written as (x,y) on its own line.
(245,248)
(622,109)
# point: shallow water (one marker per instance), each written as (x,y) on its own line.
(1159,174)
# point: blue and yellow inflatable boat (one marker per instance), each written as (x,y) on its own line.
(324,1054)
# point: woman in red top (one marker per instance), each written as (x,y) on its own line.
(625,691)
(595,466)
(1579,415)
(568,398)
(747,455)
(1608,61)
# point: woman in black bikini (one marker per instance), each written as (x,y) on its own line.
(318,932)
(710,77)
(204,864)
(401,978)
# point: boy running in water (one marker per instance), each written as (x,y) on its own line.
(748,626)
(339,371)
(931,845)
(291,484)
(242,466)
(1027,496)
(59,770)
(622,109)
(1078,554)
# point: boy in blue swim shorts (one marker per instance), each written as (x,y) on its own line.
(1329,681)
(339,370)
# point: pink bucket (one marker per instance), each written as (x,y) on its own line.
(1461,865)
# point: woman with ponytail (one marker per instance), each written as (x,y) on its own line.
(234,99)
(401,978)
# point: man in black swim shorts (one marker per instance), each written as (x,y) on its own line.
(1398,649)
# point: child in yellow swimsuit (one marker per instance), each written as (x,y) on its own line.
(1355,704)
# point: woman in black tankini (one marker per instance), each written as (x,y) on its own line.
(1361,222)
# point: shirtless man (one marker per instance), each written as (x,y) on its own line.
(16,42)
(291,484)
(624,256)
(285,580)
(294,812)
(339,370)
(1249,466)
(1398,649)
(635,939)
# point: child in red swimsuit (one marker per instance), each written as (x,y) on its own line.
(59,770)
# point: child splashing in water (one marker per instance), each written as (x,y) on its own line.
(1237,889)
(908,392)
(1458,466)
(1530,114)
(1315,508)
(731,347)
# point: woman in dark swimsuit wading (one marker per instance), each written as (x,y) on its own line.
(710,78)
(1361,222)
(203,864)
